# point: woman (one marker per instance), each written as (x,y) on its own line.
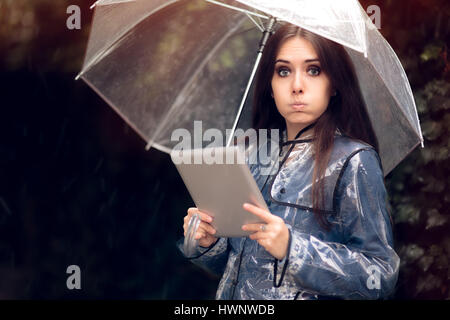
(327,233)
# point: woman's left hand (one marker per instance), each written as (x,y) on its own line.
(273,235)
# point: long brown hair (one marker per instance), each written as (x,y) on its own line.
(346,111)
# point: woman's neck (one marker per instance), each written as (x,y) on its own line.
(293,130)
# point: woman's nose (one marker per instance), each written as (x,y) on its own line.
(297,83)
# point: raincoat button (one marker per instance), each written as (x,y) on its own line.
(283,190)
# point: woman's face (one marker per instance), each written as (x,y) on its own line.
(301,90)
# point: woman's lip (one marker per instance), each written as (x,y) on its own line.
(298,106)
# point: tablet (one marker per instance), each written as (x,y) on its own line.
(220,182)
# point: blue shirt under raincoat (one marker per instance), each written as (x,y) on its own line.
(354,259)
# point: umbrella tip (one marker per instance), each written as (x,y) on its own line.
(78,76)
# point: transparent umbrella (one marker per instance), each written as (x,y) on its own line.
(164,65)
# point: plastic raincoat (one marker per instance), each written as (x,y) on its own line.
(355,259)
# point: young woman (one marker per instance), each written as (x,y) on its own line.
(328,232)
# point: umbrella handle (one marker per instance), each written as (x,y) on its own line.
(190,243)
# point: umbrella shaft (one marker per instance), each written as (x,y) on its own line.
(266,34)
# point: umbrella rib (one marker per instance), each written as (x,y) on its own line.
(237,8)
(256,23)
(95,3)
(99,4)
(259,20)
(187,85)
(161,148)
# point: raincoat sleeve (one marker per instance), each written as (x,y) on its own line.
(212,259)
(364,265)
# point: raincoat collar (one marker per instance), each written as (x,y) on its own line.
(308,137)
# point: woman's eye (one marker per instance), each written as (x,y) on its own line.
(314,71)
(283,72)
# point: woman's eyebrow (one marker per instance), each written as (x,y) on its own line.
(306,61)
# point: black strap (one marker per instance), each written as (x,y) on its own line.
(275,284)
(275,266)
(299,133)
(287,153)
(209,248)
(280,164)
(235,281)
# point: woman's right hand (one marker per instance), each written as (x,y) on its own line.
(205,231)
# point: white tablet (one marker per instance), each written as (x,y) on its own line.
(220,182)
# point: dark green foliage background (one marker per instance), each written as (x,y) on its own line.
(77,186)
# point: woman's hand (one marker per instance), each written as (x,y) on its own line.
(205,231)
(273,235)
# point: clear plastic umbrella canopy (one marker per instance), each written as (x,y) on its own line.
(163,65)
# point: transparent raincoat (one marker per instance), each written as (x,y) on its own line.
(354,259)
